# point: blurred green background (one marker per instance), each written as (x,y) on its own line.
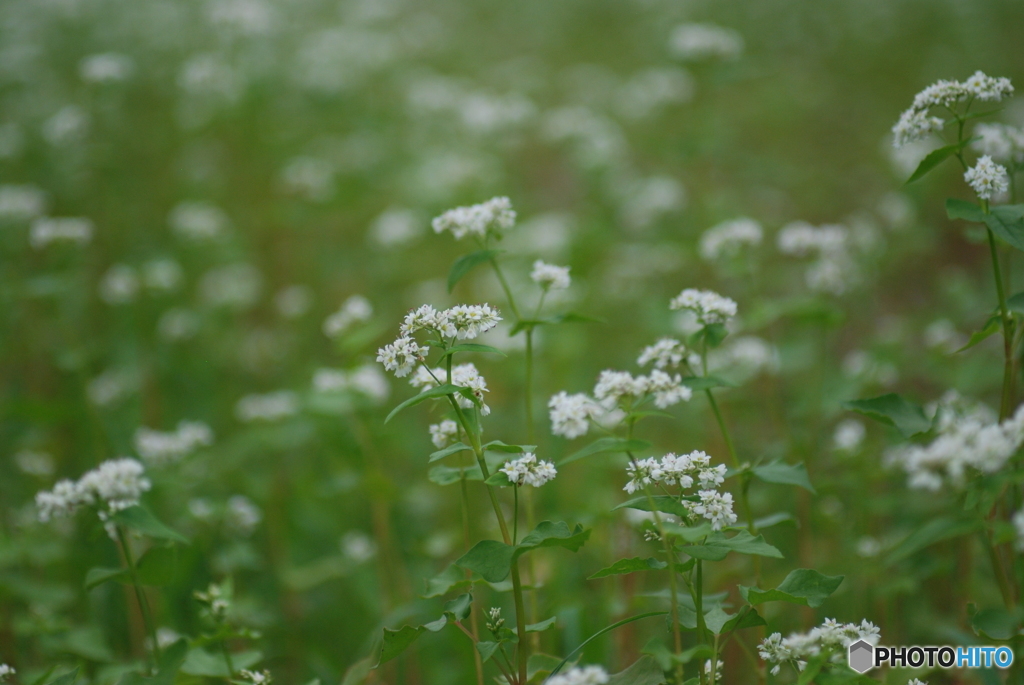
(245,166)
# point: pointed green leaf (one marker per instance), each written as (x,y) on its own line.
(541,626)
(716,548)
(936,530)
(706,383)
(990,328)
(1015,303)
(606,445)
(803,586)
(66,679)
(893,410)
(140,520)
(466,263)
(449,475)
(773,520)
(97,576)
(623,566)
(935,158)
(962,209)
(459,607)
(499,446)
(472,347)
(785,474)
(451,578)
(430,393)
(451,449)
(1007,222)
(486,649)
(687,533)
(499,479)
(492,560)
(662,503)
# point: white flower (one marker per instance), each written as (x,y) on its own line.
(917,681)
(198,221)
(914,125)
(233,285)
(162,274)
(64,500)
(987,178)
(120,285)
(1018,523)
(117,484)
(666,353)
(728,239)
(714,506)
(585,675)
(492,217)
(272,406)
(463,375)
(988,88)
(444,433)
(571,414)
(527,470)
(107,67)
(473,319)
(667,390)
(718,669)
(711,476)
(358,547)
(5,671)
(256,677)
(35,463)
(998,141)
(355,309)
(848,436)
(677,470)
(21,202)
(642,473)
(702,41)
(709,306)
(830,638)
(46,230)
(549,276)
(401,355)
(242,515)
(157,447)
(612,386)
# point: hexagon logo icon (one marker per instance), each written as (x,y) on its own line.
(861,656)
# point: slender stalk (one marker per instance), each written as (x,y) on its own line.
(508,290)
(1005,406)
(515,514)
(1005,589)
(473,622)
(528,390)
(140,596)
(698,601)
(714,661)
(227,659)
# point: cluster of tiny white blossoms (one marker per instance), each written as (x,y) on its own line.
(463,375)
(114,485)
(615,387)
(444,433)
(729,238)
(158,448)
(999,141)
(831,638)
(464,322)
(571,414)
(527,470)
(684,470)
(5,671)
(709,306)
(354,310)
(256,677)
(969,440)
(549,276)
(833,269)
(987,178)
(492,217)
(1018,523)
(272,406)
(366,380)
(585,675)
(916,122)
(666,353)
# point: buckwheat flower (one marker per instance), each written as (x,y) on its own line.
(272,406)
(643,473)
(177,324)
(356,309)
(612,386)
(463,375)
(401,355)
(703,41)
(47,230)
(242,516)
(527,470)
(715,507)
(914,124)
(162,274)
(63,501)
(444,433)
(942,93)
(107,67)
(849,435)
(917,681)
(999,141)
(236,286)
(309,177)
(256,677)
(120,285)
(831,638)
(718,670)
(729,238)
(666,353)
(987,178)
(677,470)
(1018,523)
(118,483)
(358,547)
(21,202)
(709,306)
(571,414)
(988,88)
(473,319)
(293,301)
(549,276)
(667,390)
(424,318)
(35,463)
(6,671)
(493,217)
(711,476)
(198,221)
(156,447)
(586,675)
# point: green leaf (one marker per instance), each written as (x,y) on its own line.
(706,383)
(1007,222)
(606,445)
(663,503)
(97,576)
(936,530)
(492,560)
(459,607)
(717,547)
(991,327)
(785,474)
(395,642)
(499,479)
(158,566)
(568,317)
(935,158)
(644,671)
(432,393)
(171,661)
(446,581)
(142,521)
(499,446)
(803,586)
(472,347)
(893,410)
(66,679)
(200,662)
(1015,303)
(466,263)
(744,619)
(358,672)
(687,533)
(601,632)
(541,626)
(449,475)
(962,209)
(995,624)
(773,520)
(623,566)
(487,649)
(449,450)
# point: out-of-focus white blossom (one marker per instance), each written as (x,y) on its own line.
(915,122)
(177,324)
(106,67)
(366,380)
(236,286)
(246,17)
(746,354)
(110,387)
(709,306)
(396,226)
(667,353)
(694,42)
(1000,142)
(527,470)
(942,334)
(987,178)
(1018,524)
(272,406)
(198,221)
(47,230)
(114,485)
(914,125)
(728,239)
(580,675)
(848,435)
(356,309)
(67,126)
(645,200)
(162,274)
(309,177)
(830,638)
(21,202)
(256,677)
(647,91)
(293,301)
(242,516)
(120,285)
(358,547)
(444,433)
(6,671)
(549,276)
(159,448)
(35,463)
(493,217)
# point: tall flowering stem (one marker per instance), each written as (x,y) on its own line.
(140,595)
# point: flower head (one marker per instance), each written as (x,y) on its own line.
(987,178)
(355,309)
(5,671)
(401,355)
(715,507)
(571,414)
(709,306)
(444,433)
(729,238)
(549,276)
(492,217)
(527,470)
(585,675)
(257,677)
(115,485)
(666,353)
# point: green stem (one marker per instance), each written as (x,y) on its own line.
(714,661)
(698,601)
(478,663)
(227,660)
(140,596)
(1005,406)
(1002,581)
(508,291)
(528,390)
(515,514)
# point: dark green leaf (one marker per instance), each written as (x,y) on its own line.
(893,410)
(935,158)
(486,649)
(449,475)
(995,624)
(200,662)
(499,446)
(645,671)
(991,327)
(541,626)
(605,445)
(140,520)
(773,520)
(499,479)
(715,548)
(962,209)
(459,607)
(492,560)
(623,566)
(97,576)
(446,581)
(1015,303)
(431,393)
(663,503)
(466,263)
(786,474)
(158,566)
(450,449)
(66,679)
(1007,223)
(803,586)
(472,347)
(687,533)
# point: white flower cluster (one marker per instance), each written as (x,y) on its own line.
(549,276)
(915,123)
(613,387)
(256,677)
(831,638)
(20,202)
(527,470)
(581,675)
(999,141)
(116,484)
(833,269)
(47,230)
(367,380)
(242,515)
(666,353)
(709,306)
(272,406)
(355,309)
(463,375)
(492,217)
(1018,524)
(464,322)
(571,414)
(987,178)
(728,239)
(969,440)
(158,448)
(444,433)
(745,354)
(5,671)
(703,41)
(684,470)
(849,435)
(198,221)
